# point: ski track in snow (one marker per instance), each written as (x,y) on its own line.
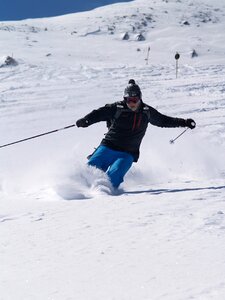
(65,234)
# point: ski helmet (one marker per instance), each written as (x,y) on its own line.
(132,90)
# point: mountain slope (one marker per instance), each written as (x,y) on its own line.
(162,236)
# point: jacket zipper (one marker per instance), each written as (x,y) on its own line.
(139,121)
(135,123)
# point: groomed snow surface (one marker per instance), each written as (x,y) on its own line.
(64,234)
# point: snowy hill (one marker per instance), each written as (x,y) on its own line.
(163,237)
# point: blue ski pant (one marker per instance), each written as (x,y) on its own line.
(114,163)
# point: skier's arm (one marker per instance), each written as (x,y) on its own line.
(102,114)
(158,119)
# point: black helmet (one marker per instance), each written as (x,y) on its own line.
(132,90)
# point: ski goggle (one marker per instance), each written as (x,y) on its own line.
(132,99)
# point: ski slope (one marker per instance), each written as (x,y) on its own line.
(63,234)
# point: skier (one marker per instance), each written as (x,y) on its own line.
(127,122)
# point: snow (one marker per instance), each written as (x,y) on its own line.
(64,233)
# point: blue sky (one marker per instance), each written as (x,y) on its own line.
(24,9)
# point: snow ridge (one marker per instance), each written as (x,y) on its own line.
(65,233)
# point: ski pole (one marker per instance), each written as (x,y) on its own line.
(173,140)
(37,136)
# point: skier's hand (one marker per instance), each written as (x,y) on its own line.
(82,122)
(190,123)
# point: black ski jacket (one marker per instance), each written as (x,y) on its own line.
(127,128)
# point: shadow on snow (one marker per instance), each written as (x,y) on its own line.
(165,191)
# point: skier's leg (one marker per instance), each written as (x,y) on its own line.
(119,168)
(101,158)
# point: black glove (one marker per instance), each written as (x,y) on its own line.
(190,123)
(82,122)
